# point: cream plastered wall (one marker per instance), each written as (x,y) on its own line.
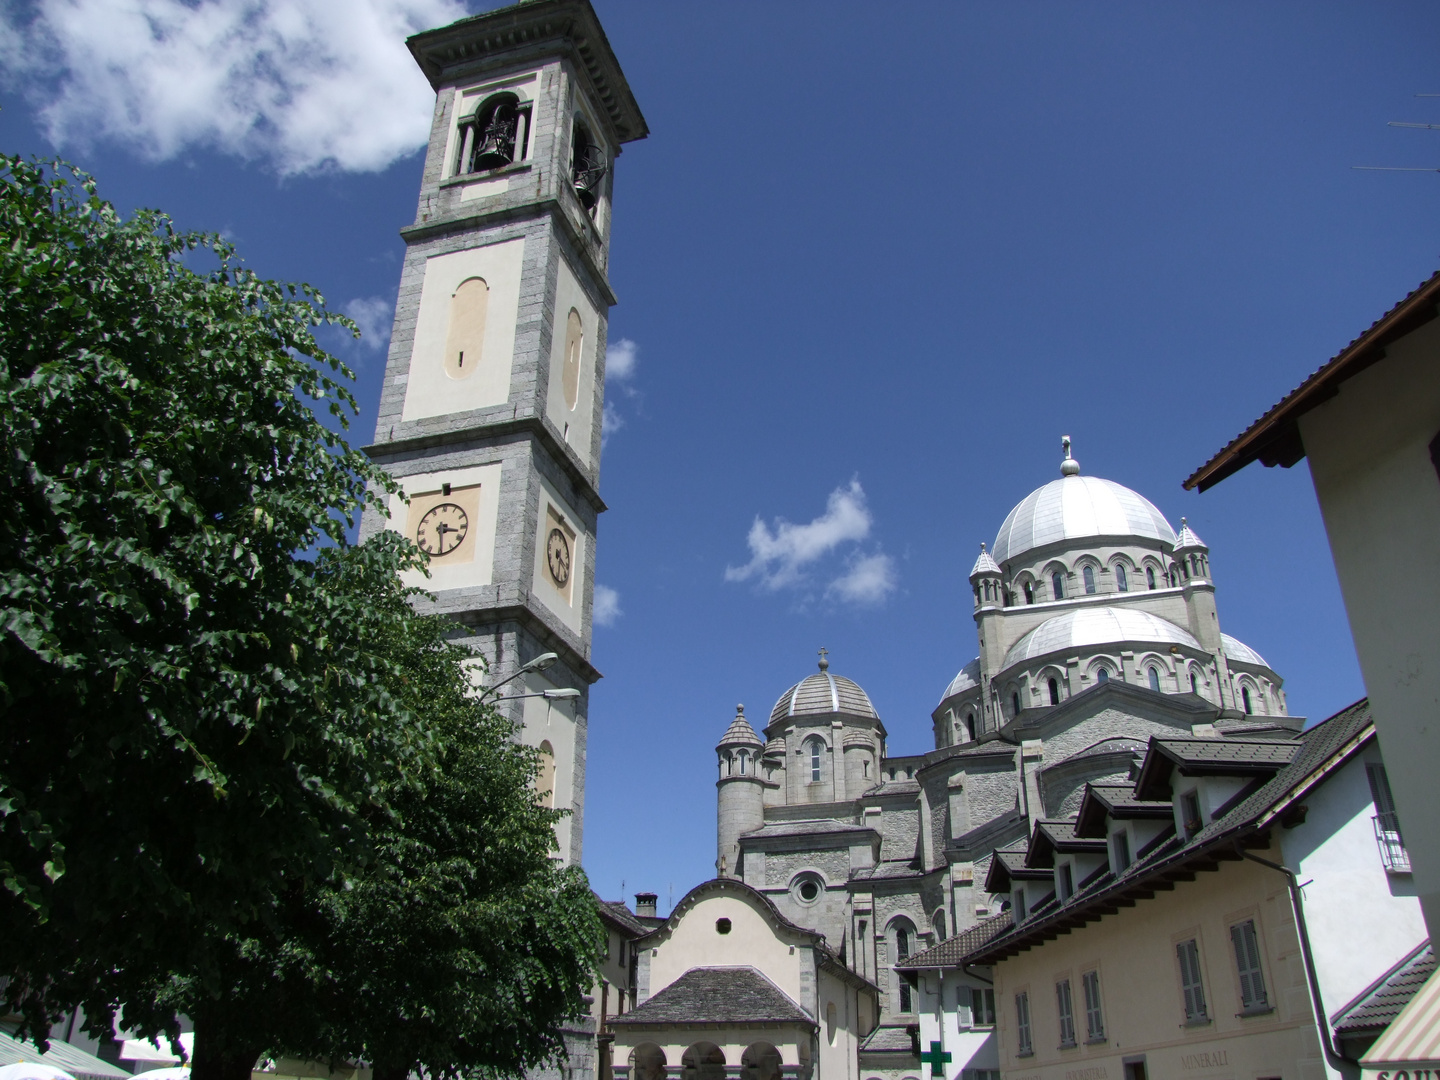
(751,942)
(473,562)
(1143,1007)
(553,722)
(468,98)
(1335,848)
(574,423)
(565,603)
(839,1041)
(429,389)
(1368,452)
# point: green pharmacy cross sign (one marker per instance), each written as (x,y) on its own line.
(936,1058)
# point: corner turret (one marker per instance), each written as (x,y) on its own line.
(741,792)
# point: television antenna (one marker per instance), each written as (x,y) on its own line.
(1404,124)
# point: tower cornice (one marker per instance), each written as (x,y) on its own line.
(542,28)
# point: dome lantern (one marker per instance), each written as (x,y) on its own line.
(986,579)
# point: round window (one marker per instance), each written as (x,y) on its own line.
(722,926)
(809,890)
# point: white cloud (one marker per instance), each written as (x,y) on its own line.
(298,84)
(607,606)
(373,315)
(867,580)
(620,357)
(610,422)
(780,555)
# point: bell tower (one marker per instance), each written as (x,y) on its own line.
(494,385)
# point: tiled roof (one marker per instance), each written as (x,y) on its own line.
(888,1039)
(1380,1002)
(718,995)
(740,732)
(615,911)
(1273,439)
(949,952)
(823,694)
(1346,731)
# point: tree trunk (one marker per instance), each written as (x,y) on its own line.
(221,1054)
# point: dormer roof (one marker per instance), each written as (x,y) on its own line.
(1052,837)
(1116,801)
(1208,757)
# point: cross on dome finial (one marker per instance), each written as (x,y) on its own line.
(1068,467)
(824,662)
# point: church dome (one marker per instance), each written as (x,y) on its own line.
(1076,507)
(967,679)
(1238,650)
(1085,628)
(821,694)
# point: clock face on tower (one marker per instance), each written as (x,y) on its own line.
(557,557)
(442,530)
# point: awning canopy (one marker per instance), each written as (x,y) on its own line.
(1412,1039)
(61,1055)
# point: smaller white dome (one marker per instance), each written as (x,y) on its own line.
(967,679)
(824,694)
(1087,627)
(1238,650)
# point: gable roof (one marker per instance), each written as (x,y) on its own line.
(950,951)
(621,917)
(1321,750)
(1379,1003)
(717,995)
(1274,439)
(736,887)
(1052,836)
(1117,801)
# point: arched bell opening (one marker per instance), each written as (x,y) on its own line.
(496,135)
(587,167)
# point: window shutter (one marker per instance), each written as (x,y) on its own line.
(1380,789)
(1247,962)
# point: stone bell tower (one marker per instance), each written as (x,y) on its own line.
(494,386)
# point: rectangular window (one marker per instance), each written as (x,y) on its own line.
(982,1006)
(1188,953)
(1094,1020)
(1067,1013)
(1064,882)
(1190,812)
(1017,904)
(1022,1023)
(1247,964)
(1120,850)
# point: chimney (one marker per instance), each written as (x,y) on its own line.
(645,904)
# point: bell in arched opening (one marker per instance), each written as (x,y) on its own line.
(498,126)
(587,168)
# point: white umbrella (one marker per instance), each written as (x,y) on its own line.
(33,1070)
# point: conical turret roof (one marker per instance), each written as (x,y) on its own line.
(740,733)
(984,565)
(1186,539)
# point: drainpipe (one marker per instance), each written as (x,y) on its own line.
(1346,1067)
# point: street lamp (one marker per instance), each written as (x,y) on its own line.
(539,663)
(562,694)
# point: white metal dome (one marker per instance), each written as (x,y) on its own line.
(1075,507)
(1236,649)
(823,694)
(967,679)
(1087,627)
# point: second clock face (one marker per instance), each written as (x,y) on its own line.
(442,530)
(557,557)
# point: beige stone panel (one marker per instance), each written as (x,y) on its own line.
(751,942)
(551,723)
(562,597)
(476,490)
(466,330)
(569,401)
(434,386)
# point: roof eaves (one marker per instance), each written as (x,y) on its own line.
(1274,439)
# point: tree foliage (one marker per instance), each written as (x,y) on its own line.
(463,946)
(193,712)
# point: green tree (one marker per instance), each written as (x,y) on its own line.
(195,715)
(463,947)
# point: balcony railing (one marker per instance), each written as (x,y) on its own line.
(1391,843)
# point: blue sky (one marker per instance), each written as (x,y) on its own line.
(873,262)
